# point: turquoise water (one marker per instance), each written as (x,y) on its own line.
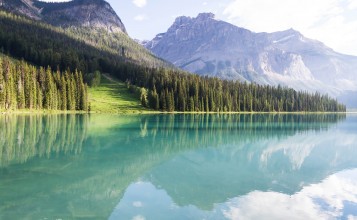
(178,167)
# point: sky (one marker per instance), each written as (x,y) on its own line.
(333,22)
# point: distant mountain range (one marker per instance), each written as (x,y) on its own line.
(207,46)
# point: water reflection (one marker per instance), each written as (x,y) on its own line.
(26,136)
(271,164)
(23,137)
(80,166)
(333,198)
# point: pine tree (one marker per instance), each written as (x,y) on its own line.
(192,104)
(42,78)
(28,86)
(39,94)
(9,93)
(2,86)
(48,98)
(154,99)
(34,88)
(77,90)
(70,100)
(63,93)
(85,99)
(73,93)
(144,97)
(168,100)
(20,89)
(163,105)
(54,96)
(23,86)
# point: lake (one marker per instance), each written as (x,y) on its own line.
(260,166)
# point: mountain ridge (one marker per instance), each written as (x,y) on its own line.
(92,21)
(207,46)
(79,13)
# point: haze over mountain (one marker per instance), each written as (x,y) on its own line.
(84,13)
(212,47)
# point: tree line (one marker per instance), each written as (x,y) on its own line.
(23,86)
(161,87)
(173,90)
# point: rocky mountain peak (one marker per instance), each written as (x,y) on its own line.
(207,46)
(196,28)
(75,13)
(181,20)
(205,16)
(290,32)
(201,17)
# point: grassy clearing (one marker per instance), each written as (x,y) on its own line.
(112,96)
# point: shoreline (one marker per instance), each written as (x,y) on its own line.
(135,112)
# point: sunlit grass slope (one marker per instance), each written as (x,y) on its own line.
(112,96)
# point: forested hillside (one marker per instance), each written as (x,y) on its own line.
(165,89)
(171,90)
(24,86)
(75,48)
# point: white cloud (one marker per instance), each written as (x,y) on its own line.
(140,3)
(140,18)
(137,204)
(324,20)
(352,4)
(334,192)
(138,217)
(274,15)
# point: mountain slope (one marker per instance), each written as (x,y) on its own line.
(161,87)
(92,22)
(79,13)
(212,47)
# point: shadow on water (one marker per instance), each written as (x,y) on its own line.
(79,166)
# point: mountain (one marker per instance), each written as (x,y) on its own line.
(207,46)
(79,13)
(93,22)
(159,85)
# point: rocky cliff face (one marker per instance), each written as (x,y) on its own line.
(77,13)
(22,7)
(211,47)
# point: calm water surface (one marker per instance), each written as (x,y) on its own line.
(178,167)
